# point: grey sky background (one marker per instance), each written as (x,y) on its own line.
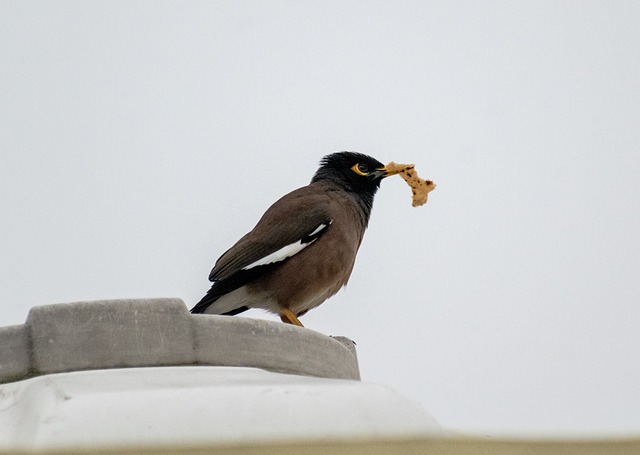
(139,140)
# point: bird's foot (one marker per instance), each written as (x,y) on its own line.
(287,316)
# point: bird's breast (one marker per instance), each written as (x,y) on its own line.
(318,272)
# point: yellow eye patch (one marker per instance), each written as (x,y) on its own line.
(356,168)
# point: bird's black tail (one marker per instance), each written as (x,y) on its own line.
(205,303)
(210,298)
(222,287)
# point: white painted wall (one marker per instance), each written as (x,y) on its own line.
(198,405)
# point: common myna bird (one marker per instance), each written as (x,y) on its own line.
(303,249)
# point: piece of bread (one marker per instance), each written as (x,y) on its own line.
(419,188)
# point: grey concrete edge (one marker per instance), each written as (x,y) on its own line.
(15,362)
(271,346)
(161,332)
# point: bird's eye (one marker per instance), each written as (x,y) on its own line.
(360,169)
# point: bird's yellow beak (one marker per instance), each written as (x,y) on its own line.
(385,171)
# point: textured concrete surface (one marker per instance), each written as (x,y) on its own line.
(110,334)
(158,332)
(298,351)
(14,354)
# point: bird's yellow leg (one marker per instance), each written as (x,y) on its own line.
(287,316)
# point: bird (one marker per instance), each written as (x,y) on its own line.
(303,249)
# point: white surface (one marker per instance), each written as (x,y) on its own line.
(191,405)
(140,139)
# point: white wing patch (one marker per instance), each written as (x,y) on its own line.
(288,250)
(318,229)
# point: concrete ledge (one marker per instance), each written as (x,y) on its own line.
(161,332)
(14,355)
(258,342)
(110,334)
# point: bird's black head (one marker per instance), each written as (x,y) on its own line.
(354,172)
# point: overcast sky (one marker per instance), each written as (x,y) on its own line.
(139,140)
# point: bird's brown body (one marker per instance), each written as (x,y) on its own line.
(331,270)
(303,249)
